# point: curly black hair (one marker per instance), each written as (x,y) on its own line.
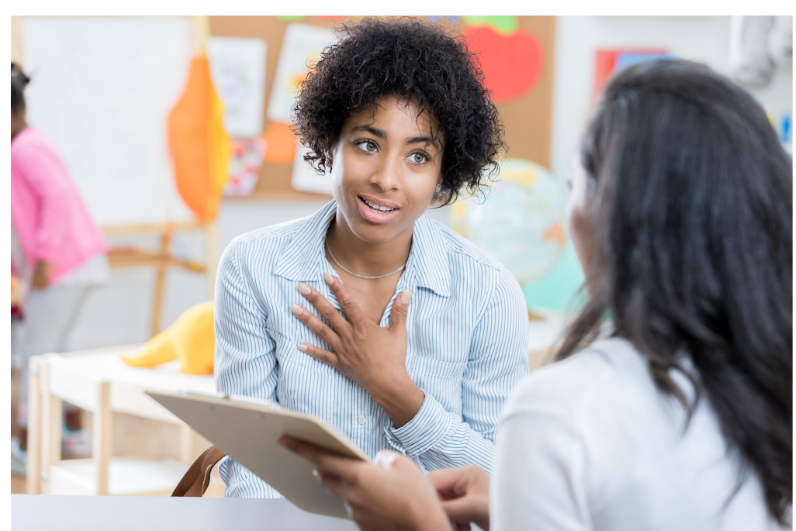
(413,59)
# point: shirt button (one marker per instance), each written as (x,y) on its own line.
(362,420)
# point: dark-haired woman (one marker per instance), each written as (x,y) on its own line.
(368,314)
(682,418)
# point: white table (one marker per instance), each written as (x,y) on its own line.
(123,513)
(98,381)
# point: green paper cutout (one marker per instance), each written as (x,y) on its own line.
(505,25)
(290,18)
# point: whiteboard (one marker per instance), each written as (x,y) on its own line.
(101,90)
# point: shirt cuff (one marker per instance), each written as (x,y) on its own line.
(417,436)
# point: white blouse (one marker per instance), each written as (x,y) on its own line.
(590,443)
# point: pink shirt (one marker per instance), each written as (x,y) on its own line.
(50,219)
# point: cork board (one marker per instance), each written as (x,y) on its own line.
(526,118)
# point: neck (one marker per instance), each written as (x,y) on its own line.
(367,258)
(18,129)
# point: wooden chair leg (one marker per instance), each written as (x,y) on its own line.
(51,413)
(160,283)
(35,369)
(187,444)
(101,442)
(211,257)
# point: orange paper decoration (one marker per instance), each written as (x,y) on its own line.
(200,148)
(280,144)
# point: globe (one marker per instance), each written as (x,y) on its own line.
(520,222)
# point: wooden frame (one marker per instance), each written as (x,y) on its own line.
(129,257)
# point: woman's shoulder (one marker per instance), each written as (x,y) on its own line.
(607,372)
(458,248)
(467,269)
(268,244)
(272,235)
(294,235)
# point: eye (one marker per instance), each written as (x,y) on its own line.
(418,158)
(367,145)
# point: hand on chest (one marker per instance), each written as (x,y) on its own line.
(437,328)
(374,297)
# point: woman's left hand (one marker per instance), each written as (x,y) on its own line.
(372,356)
(389,494)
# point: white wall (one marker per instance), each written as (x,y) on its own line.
(703,39)
(120,313)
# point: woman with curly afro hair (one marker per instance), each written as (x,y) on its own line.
(368,314)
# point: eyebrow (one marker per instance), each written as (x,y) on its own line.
(372,130)
(381,134)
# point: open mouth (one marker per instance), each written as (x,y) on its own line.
(377,211)
(374,206)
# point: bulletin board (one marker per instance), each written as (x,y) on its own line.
(516,53)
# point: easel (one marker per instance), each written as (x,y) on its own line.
(129,257)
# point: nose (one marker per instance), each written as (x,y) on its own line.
(388,174)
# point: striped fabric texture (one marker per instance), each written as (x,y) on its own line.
(467,330)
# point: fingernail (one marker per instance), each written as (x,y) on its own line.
(304,289)
(302,347)
(406,296)
(296,309)
(328,278)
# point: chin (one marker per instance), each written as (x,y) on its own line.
(373,234)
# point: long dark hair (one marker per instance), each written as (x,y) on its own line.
(693,252)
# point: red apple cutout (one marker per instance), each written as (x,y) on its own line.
(511,64)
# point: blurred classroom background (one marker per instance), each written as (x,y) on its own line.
(135,105)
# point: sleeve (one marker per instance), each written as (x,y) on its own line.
(497,362)
(539,481)
(51,184)
(244,359)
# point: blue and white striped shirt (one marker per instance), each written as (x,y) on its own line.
(467,337)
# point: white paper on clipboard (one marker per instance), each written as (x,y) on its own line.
(248,432)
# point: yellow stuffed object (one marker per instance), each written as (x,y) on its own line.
(191,339)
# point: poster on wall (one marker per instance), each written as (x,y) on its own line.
(238,69)
(306,179)
(244,165)
(301,47)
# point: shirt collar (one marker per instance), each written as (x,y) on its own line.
(428,260)
(303,257)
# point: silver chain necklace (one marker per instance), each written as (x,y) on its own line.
(360,276)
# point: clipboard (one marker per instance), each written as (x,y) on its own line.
(248,430)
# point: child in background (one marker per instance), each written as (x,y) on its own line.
(57,251)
